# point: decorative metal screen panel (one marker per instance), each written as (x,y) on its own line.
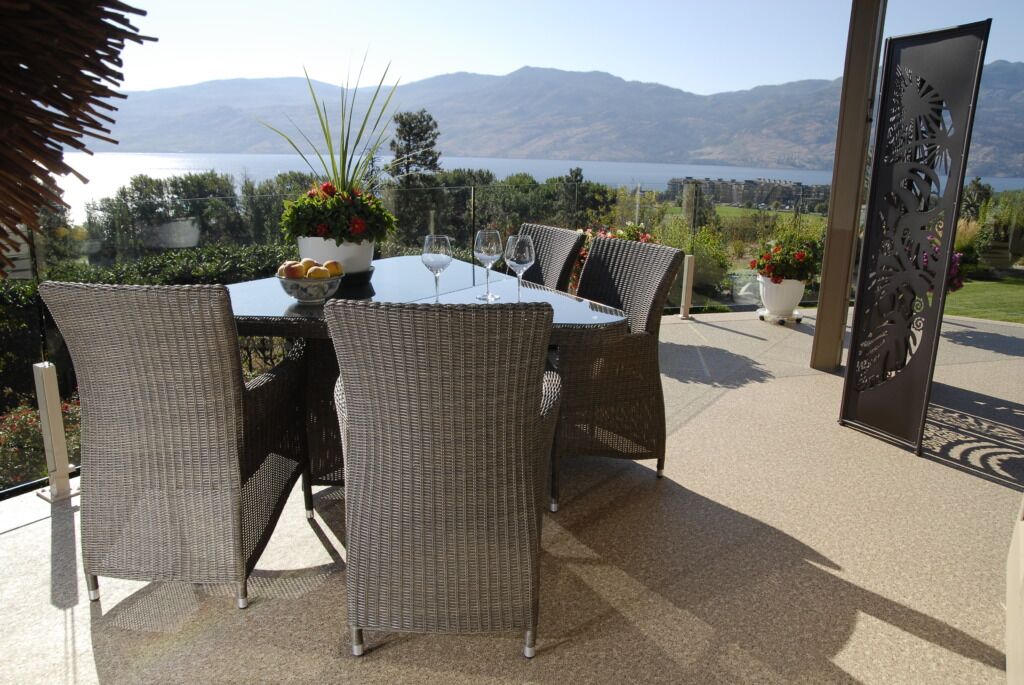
(928,95)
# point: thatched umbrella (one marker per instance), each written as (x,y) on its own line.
(59,60)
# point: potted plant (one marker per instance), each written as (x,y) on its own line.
(340,218)
(783,269)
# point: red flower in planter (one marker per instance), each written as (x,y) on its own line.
(769,268)
(312,192)
(777,249)
(322,230)
(753,263)
(357,225)
(800,256)
(776,279)
(328,189)
(766,257)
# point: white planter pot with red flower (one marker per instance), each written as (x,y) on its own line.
(780,299)
(354,257)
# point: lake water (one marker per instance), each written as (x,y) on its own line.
(107,171)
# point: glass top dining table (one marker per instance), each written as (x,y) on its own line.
(261,307)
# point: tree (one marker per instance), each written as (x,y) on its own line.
(580,203)
(263,202)
(975,195)
(414,168)
(414,145)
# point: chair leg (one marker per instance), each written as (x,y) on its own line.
(553,506)
(307,491)
(92,584)
(357,641)
(242,594)
(661,466)
(530,644)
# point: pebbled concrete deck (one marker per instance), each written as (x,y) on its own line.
(780,547)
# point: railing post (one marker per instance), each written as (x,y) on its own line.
(686,299)
(472,226)
(51,422)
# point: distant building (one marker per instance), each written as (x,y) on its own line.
(756,192)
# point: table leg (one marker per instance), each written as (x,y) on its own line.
(322,432)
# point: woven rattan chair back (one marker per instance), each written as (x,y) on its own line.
(557,250)
(444,478)
(160,383)
(632,276)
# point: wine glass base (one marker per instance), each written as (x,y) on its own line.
(488,297)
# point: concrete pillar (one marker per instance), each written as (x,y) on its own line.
(863,46)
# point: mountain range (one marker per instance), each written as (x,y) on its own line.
(552,114)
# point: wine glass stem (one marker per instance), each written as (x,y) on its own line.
(488,277)
(437,287)
(519,288)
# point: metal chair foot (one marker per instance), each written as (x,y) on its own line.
(358,648)
(242,595)
(661,473)
(309,513)
(530,644)
(554,505)
(92,584)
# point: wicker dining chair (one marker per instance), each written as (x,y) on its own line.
(447,416)
(557,250)
(613,403)
(185,467)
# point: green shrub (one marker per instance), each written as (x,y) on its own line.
(22,457)
(20,339)
(197,265)
(971,240)
(711,261)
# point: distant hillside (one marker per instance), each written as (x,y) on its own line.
(552,114)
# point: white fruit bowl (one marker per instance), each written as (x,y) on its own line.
(310,290)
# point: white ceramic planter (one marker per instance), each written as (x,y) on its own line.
(176,234)
(354,257)
(780,299)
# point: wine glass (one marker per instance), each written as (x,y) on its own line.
(519,256)
(437,255)
(487,250)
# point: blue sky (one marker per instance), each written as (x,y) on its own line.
(703,47)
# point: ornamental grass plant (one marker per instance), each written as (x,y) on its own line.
(341,206)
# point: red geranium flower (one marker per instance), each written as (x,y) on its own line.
(312,192)
(357,225)
(328,189)
(766,257)
(800,256)
(776,279)
(322,230)
(753,263)
(777,248)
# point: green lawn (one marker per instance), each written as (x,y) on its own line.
(1001,300)
(728,211)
